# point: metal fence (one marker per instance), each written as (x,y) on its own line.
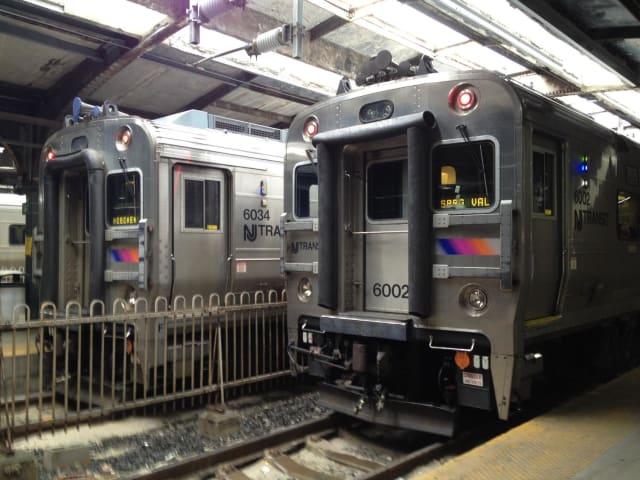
(74,366)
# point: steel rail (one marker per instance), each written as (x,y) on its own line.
(238,451)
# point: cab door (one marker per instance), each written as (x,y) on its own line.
(74,239)
(200,231)
(546,218)
(385,231)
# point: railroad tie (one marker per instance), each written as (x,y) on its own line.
(322,447)
(290,467)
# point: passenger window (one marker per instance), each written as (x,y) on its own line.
(628,216)
(202,204)
(463,175)
(306,191)
(17,234)
(387,190)
(123,198)
(543,177)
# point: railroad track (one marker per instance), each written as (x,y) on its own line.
(330,448)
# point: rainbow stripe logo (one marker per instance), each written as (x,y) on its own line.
(467,246)
(125,255)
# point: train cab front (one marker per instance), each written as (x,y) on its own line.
(88,258)
(409,306)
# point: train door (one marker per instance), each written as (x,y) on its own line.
(200,231)
(385,231)
(546,221)
(74,238)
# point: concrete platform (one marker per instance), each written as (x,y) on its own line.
(596,436)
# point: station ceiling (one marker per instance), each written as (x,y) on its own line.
(138,55)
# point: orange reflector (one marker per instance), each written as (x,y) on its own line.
(129,347)
(462,360)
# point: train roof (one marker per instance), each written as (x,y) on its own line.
(529,97)
(189,129)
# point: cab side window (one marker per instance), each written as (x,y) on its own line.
(305,191)
(202,204)
(543,177)
(17,234)
(628,216)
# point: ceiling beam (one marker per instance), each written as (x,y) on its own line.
(246,24)
(47,39)
(53,20)
(546,12)
(633,7)
(217,93)
(323,28)
(146,44)
(492,42)
(29,120)
(304,96)
(614,33)
(270,117)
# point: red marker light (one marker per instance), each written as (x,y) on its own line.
(311,128)
(50,155)
(124,137)
(466,99)
(463,98)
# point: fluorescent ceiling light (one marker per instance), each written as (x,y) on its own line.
(526,37)
(610,120)
(627,101)
(481,57)
(581,104)
(404,22)
(411,28)
(270,64)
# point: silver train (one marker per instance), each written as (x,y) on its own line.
(439,231)
(12,232)
(183,205)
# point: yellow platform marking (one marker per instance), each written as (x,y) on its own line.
(542,321)
(557,445)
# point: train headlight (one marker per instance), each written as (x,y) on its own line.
(478,299)
(311,128)
(124,137)
(474,300)
(305,290)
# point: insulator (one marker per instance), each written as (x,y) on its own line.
(208,9)
(267,41)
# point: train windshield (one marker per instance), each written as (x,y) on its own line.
(123,198)
(464,175)
(306,191)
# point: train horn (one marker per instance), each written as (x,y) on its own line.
(81,109)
